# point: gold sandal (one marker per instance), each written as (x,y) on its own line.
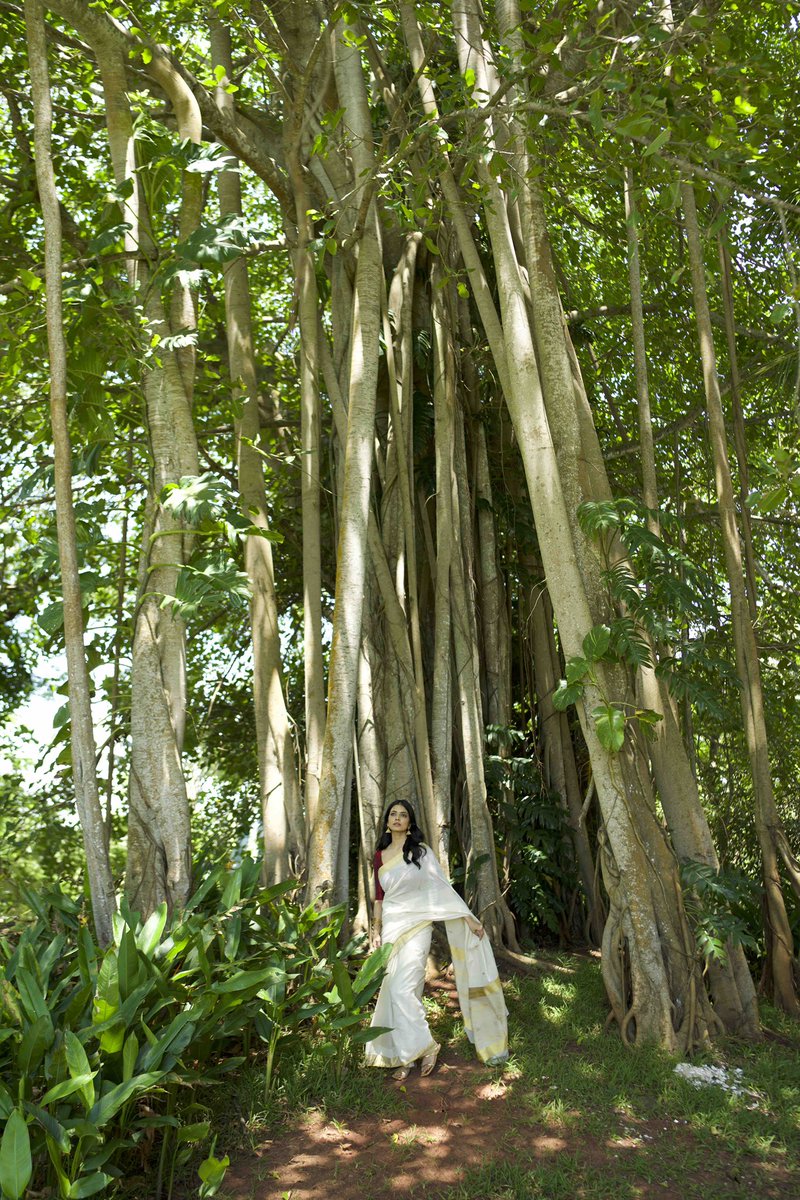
(401,1073)
(429,1061)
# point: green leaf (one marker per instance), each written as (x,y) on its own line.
(648,720)
(566,694)
(609,721)
(212,1172)
(194,1133)
(596,642)
(366,1035)
(130,1052)
(37,1038)
(89,1185)
(576,669)
(31,995)
(110,1104)
(660,140)
(341,977)
(149,936)
(16,1166)
(371,966)
(51,618)
(247,979)
(67,1087)
(53,1128)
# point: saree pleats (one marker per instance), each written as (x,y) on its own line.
(399,1005)
(414,898)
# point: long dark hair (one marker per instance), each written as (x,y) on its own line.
(413,848)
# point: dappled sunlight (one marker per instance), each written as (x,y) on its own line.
(573,1115)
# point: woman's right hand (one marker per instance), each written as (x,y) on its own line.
(375,939)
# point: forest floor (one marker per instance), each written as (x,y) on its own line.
(573,1114)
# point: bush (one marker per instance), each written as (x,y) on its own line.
(104,1056)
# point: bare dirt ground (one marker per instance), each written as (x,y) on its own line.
(455,1122)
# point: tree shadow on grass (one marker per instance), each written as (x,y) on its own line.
(573,1114)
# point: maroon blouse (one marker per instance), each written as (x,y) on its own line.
(377,866)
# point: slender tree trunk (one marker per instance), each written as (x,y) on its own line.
(354,518)
(649,484)
(84,772)
(310,425)
(739,438)
(444,399)
(159,846)
(768,824)
(481,859)
(281,809)
(400,364)
(562,774)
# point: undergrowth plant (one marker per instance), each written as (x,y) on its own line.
(105,1056)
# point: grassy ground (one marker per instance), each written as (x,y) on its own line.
(573,1114)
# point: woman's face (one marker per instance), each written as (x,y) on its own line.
(398,820)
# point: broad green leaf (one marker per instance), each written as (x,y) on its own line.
(658,143)
(130,1052)
(89,1185)
(243,980)
(609,721)
(37,1038)
(149,935)
(53,1128)
(575,668)
(648,720)
(78,1066)
(371,966)
(596,642)
(341,977)
(212,1172)
(566,694)
(366,1035)
(194,1133)
(16,1166)
(110,1104)
(31,995)
(67,1087)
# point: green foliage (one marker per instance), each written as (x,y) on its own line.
(103,1050)
(531,827)
(618,642)
(723,908)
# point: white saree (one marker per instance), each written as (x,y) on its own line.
(414,897)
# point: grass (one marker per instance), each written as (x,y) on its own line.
(625,1116)
(585,1117)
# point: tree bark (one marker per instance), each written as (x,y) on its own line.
(352,548)
(769,827)
(84,772)
(649,483)
(281,807)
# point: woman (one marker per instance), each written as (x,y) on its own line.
(411,892)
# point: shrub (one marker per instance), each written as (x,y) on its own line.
(104,1056)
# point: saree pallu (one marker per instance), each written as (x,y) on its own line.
(414,898)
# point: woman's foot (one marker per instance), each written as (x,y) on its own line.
(429,1061)
(402,1073)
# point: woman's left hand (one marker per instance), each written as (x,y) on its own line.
(476,928)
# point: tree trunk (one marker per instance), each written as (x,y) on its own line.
(281,808)
(768,823)
(352,548)
(481,860)
(84,772)
(652,962)
(649,483)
